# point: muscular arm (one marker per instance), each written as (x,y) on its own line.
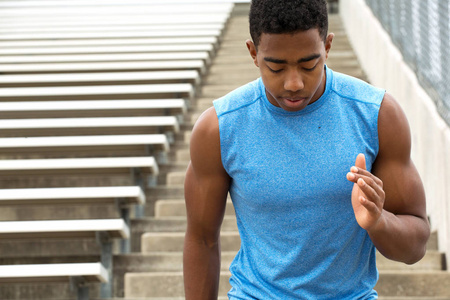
(390,202)
(206,188)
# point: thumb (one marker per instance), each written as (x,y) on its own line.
(361,161)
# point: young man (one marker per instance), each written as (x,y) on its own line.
(318,168)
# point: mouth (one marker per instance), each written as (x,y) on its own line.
(294,99)
(294,103)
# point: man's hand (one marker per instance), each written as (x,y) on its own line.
(367,194)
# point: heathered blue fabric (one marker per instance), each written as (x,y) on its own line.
(299,235)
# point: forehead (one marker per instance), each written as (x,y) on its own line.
(291,44)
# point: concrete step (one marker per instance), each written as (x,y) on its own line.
(187,133)
(176,178)
(172,224)
(230,241)
(413,298)
(161,192)
(163,261)
(417,284)
(193,116)
(159,262)
(180,136)
(234,69)
(167,284)
(173,241)
(173,166)
(203,107)
(188,125)
(217,79)
(216,91)
(343,64)
(163,178)
(177,208)
(164,230)
(432,261)
(240,51)
(152,262)
(179,144)
(165,192)
(201,100)
(180,155)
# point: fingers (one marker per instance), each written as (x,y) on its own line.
(371,186)
(361,161)
(356,173)
(371,189)
(369,205)
(367,182)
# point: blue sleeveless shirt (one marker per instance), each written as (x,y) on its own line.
(299,235)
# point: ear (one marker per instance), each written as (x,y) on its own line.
(328,42)
(253,52)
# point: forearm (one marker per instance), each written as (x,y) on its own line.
(201,268)
(401,237)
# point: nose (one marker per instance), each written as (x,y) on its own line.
(293,81)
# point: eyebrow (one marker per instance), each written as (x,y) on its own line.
(301,60)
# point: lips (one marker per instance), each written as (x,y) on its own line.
(294,99)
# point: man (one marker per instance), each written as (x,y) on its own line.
(318,167)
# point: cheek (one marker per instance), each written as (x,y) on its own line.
(273,84)
(272,88)
(314,78)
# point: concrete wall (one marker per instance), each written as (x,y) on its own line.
(384,66)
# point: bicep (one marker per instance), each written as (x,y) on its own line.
(206,183)
(401,181)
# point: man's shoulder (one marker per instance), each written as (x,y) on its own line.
(239,98)
(355,89)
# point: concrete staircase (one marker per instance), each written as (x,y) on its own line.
(154,270)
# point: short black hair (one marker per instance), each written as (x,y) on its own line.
(287,16)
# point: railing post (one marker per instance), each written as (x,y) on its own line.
(78,284)
(138,179)
(124,211)
(83,292)
(107,260)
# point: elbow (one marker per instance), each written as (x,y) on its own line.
(421,248)
(418,255)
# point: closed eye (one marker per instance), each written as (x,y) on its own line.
(310,69)
(275,71)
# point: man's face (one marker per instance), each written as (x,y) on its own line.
(292,67)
